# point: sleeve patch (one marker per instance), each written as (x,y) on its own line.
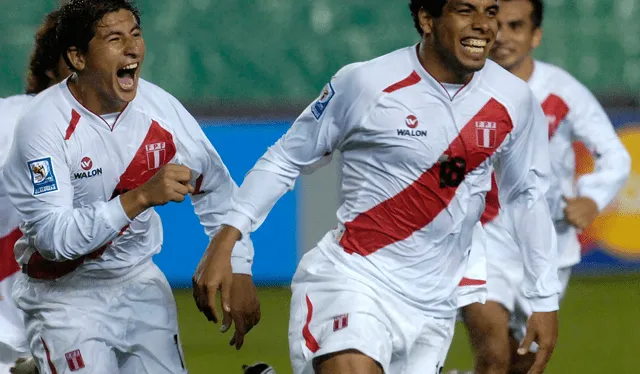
(42,176)
(321,104)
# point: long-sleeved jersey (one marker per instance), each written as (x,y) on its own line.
(11,108)
(573,114)
(416,165)
(68,166)
(11,325)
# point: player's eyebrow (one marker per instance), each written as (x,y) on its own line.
(120,33)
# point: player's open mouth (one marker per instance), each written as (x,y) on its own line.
(473,45)
(126,76)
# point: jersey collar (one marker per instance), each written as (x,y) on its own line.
(434,85)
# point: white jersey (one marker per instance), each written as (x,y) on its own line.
(573,114)
(68,167)
(416,167)
(11,325)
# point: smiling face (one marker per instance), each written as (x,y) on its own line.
(463,35)
(111,65)
(518,35)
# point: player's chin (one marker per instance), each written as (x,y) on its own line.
(473,65)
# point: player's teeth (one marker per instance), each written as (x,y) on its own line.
(474,49)
(131,66)
(475,42)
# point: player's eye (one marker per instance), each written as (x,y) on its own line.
(114,39)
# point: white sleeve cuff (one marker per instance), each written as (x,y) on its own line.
(241,265)
(242,257)
(238,220)
(115,214)
(545,304)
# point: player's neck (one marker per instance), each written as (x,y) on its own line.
(89,97)
(438,68)
(524,70)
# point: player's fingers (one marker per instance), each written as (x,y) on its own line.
(210,309)
(526,343)
(225,294)
(241,330)
(226,321)
(540,363)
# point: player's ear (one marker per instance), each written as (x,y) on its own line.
(537,38)
(426,21)
(76,58)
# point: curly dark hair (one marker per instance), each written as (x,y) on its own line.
(433,7)
(79,19)
(45,55)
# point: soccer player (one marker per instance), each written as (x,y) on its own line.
(419,130)
(46,68)
(573,114)
(91,157)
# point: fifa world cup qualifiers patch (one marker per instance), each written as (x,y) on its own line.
(321,104)
(42,176)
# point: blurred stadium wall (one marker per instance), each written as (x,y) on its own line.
(247,68)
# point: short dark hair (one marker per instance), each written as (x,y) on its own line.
(79,20)
(433,7)
(45,55)
(538,13)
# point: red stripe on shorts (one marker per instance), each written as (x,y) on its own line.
(309,340)
(48,354)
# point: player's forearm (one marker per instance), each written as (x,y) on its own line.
(534,231)
(256,197)
(69,234)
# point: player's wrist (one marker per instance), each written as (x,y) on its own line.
(545,303)
(134,202)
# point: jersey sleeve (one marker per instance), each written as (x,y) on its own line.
(213,184)
(523,171)
(39,186)
(315,134)
(592,127)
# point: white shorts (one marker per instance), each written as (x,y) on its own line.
(504,287)
(13,339)
(121,325)
(331,312)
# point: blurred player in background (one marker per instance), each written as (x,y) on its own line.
(91,157)
(573,114)
(46,68)
(419,130)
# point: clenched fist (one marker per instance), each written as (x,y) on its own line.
(170,183)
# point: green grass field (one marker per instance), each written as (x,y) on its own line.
(599,332)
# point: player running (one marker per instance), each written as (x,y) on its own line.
(573,114)
(46,68)
(419,131)
(92,156)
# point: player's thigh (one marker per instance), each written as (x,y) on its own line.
(331,314)
(153,342)
(54,354)
(326,329)
(429,351)
(488,327)
(348,361)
